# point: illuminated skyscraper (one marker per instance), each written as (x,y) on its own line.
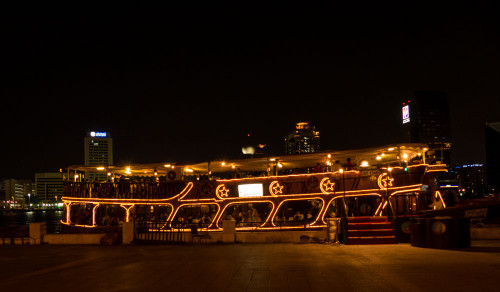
(98,151)
(426,119)
(303,140)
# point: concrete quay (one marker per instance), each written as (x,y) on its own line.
(249,267)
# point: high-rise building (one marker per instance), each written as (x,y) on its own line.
(304,139)
(426,119)
(492,141)
(49,186)
(99,152)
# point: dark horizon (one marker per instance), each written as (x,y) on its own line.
(189,83)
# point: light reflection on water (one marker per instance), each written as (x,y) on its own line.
(21,218)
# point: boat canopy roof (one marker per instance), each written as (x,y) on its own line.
(382,155)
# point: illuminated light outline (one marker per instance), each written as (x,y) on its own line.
(94,214)
(438,193)
(419,165)
(390,205)
(204,200)
(183,193)
(124,206)
(297,199)
(162,201)
(68,210)
(217,219)
(245,228)
(324,209)
(275,188)
(183,230)
(329,185)
(336,172)
(224,192)
(383,207)
(282,176)
(78,225)
(68,215)
(358,195)
(387,180)
(436,165)
(357,192)
(379,205)
(303,196)
(291,227)
(404,191)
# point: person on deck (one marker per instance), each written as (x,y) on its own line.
(318,168)
(349,165)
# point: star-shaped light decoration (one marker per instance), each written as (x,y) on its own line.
(275,188)
(327,185)
(221,191)
(385,181)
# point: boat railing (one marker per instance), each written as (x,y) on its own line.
(123,190)
(293,184)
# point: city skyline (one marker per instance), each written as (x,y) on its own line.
(189,84)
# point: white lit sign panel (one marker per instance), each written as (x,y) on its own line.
(406,114)
(98,134)
(250,190)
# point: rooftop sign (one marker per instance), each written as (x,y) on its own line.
(99,134)
(406,114)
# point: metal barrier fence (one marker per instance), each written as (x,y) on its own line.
(158,232)
(14,234)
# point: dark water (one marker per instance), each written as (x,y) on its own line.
(50,217)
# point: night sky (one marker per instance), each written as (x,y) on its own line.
(188,83)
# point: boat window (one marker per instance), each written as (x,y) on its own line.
(298,212)
(152,213)
(110,215)
(247,214)
(362,205)
(81,214)
(202,215)
(333,210)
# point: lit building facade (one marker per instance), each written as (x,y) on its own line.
(492,139)
(472,179)
(426,119)
(304,139)
(49,186)
(98,148)
(16,193)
